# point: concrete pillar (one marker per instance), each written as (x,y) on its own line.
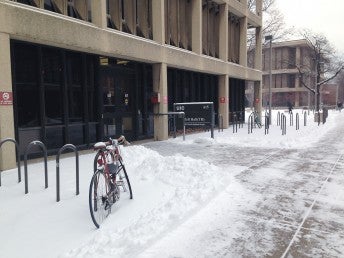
(7,151)
(160,86)
(297,56)
(258,97)
(258,52)
(99,17)
(158,20)
(223,32)
(259,7)
(196,14)
(243,42)
(223,99)
(297,99)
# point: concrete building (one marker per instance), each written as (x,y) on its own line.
(286,85)
(78,71)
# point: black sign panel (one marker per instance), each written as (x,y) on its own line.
(196,113)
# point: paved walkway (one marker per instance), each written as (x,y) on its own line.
(299,211)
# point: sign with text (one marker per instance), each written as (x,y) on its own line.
(6,98)
(196,113)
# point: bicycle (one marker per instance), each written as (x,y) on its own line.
(109,180)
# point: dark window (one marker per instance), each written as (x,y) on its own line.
(91,91)
(27,85)
(52,76)
(28,2)
(75,93)
(72,11)
(51,6)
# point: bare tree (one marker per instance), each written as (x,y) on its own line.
(321,65)
(273,24)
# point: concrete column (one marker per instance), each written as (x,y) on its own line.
(258,96)
(158,20)
(7,151)
(243,42)
(196,13)
(99,17)
(258,52)
(259,7)
(297,56)
(160,86)
(223,33)
(297,99)
(223,99)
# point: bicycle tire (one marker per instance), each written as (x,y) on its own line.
(98,203)
(122,180)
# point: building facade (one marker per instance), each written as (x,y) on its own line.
(78,71)
(286,83)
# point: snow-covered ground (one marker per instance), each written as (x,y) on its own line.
(238,195)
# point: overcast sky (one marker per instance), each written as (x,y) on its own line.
(322,16)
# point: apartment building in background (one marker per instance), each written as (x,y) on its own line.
(286,83)
(79,71)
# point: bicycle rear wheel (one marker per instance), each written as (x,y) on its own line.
(123,183)
(99,204)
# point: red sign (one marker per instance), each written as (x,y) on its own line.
(222,100)
(257,100)
(165,100)
(6,98)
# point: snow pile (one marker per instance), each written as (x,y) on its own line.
(183,184)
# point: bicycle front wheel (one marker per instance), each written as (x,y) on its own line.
(100,206)
(123,183)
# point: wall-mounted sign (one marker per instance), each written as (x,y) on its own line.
(6,98)
(222,100)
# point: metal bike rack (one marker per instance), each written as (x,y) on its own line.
(297,121)
(250,123)
(267,124)
(305,118)
(278,118)
(45,163)
(220,117)
(235,122)
(284,124)
(63,148)
(240,120)
(174,121)
(18,156)
(291,118)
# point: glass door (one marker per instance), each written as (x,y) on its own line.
(118,102)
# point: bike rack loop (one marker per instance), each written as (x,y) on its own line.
(241,124)
(45,163)
(220,118)
(284,122)
(297,121)
(250,123)
(235,123)
(291,115)
(267,122)
(278,118)
(65,147)
(18,157)
(304,119)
